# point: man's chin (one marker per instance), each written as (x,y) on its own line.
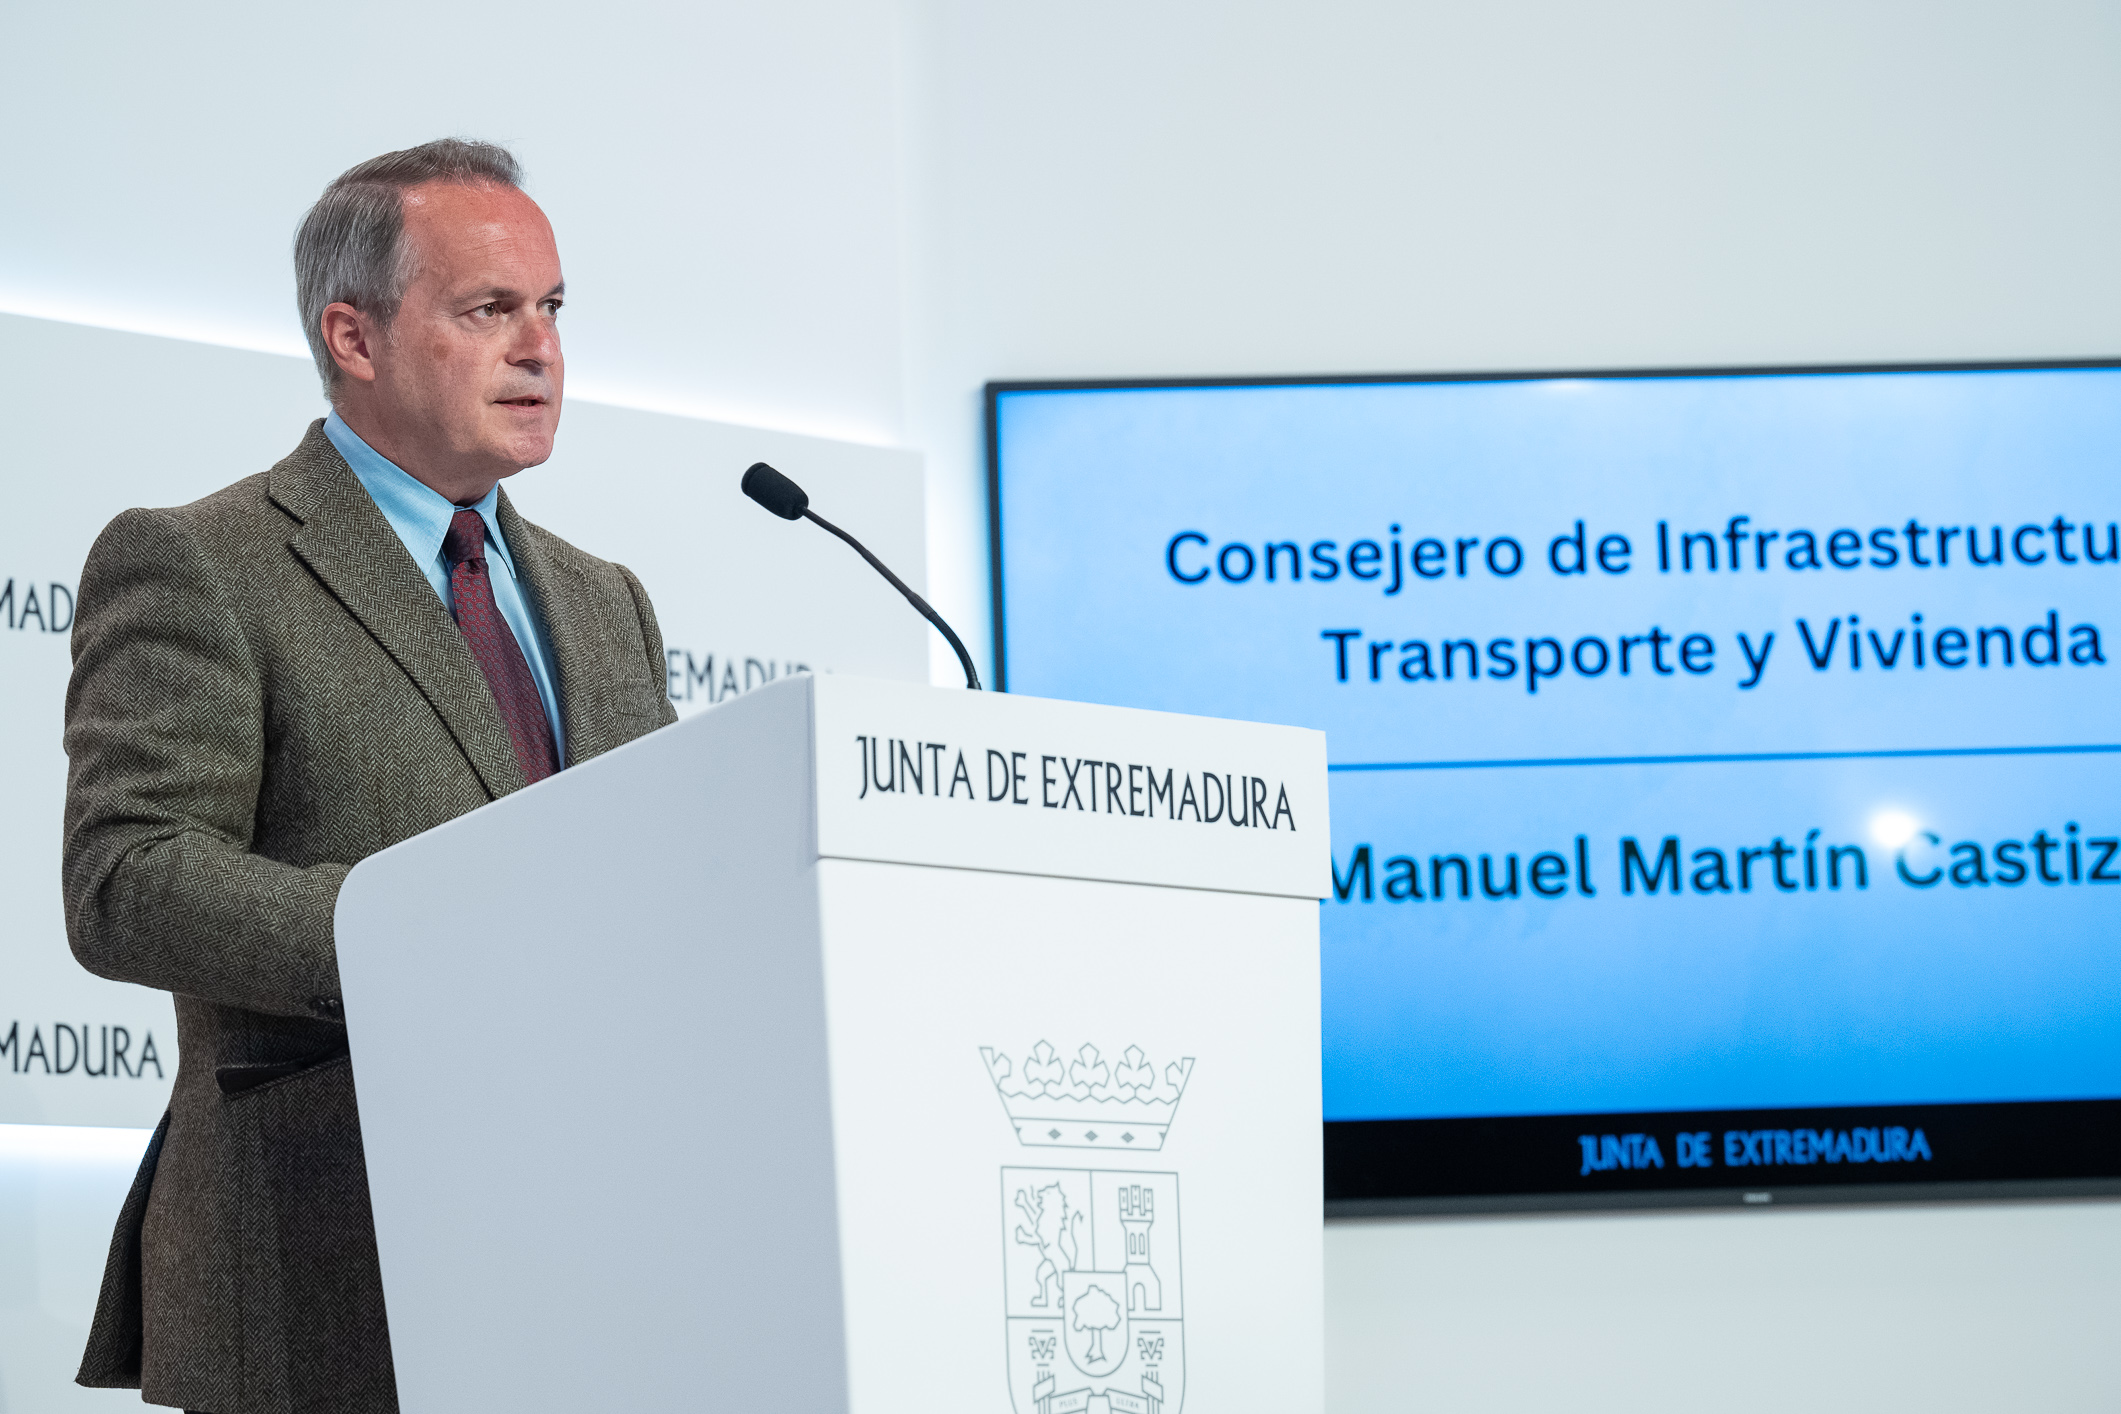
(521,446)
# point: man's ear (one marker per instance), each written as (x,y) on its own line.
(348,335)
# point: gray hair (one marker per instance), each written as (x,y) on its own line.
(351,247)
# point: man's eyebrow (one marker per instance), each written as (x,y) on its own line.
(500,292)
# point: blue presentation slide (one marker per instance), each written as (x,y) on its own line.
(1701,742)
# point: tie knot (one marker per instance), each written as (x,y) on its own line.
(466,539)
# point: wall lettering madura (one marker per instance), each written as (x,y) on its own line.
(33,606)
(703,679)
(85,1051)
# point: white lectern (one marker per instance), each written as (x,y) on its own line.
(857,1046)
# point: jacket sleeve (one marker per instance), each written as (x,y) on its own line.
(165,740)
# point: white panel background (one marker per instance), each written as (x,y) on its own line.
(179,420)
(654,491)
(100,420)
(841,216)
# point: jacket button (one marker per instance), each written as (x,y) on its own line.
(327,1006)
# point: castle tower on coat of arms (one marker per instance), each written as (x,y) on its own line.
(1137,1214)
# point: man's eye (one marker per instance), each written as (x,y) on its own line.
(552,307)
(487,311)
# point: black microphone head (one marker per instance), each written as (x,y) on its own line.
(775,492)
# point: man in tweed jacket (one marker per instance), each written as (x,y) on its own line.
(272,683)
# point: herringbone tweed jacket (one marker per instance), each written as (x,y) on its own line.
(266,689)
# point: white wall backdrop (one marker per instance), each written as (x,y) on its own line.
(722,177)
(1104,189)
(1951,1307)
(841,216)
(1113,190)
(60,1189)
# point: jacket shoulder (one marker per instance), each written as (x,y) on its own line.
(221,522)
(232,523)
(609,576)
(565,552)
(244,507)
(234,502)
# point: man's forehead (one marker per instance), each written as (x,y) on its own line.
(464,225)
(448,198)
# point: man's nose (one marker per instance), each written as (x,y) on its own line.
(537,343)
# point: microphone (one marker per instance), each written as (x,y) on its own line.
(788,501)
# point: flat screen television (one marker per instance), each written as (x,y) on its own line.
(1726,764)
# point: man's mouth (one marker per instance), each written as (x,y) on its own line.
(523,402)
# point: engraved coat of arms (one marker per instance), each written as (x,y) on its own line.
(1092,1282)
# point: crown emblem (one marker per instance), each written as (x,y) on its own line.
(1088,1102)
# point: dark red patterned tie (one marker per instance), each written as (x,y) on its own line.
(500,657)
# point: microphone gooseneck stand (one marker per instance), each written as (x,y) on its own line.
(790,502)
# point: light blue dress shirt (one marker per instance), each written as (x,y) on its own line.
(421,516)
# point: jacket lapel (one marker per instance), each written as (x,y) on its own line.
(563,603)
(349,546)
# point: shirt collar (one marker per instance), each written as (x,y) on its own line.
(419,513)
